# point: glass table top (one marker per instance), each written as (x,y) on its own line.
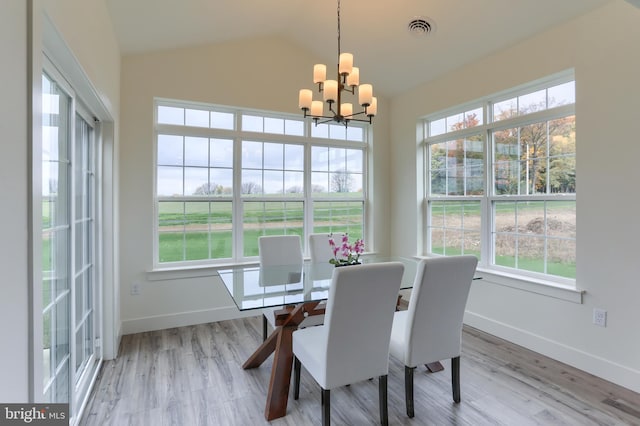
(253,287)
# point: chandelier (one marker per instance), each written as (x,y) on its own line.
(348,79)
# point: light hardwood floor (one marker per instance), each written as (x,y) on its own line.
(193,376)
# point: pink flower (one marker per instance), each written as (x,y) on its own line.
(349,253)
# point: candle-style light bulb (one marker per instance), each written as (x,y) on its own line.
(304,99)
(365,93)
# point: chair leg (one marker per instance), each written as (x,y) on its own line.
(264,328)
(296,378)
(455,378)
(326,407)
(408,390)
(382,395)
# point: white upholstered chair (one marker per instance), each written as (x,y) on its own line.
(353,343)
(431,329)
(275,250)
(319,248)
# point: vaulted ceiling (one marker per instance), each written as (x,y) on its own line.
(375,31)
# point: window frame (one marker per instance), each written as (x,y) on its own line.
(489,198)
(238,200)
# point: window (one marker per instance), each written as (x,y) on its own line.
(226,176)
(501,181)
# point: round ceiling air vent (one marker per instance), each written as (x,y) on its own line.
(421,26)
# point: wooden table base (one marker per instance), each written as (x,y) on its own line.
(280,342)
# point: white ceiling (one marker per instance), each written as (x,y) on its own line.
(375,31)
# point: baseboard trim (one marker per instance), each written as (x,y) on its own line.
(182,319)
(592,364)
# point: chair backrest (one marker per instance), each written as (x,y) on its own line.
(358,317)
(319,248)
(436,308)
(280,250)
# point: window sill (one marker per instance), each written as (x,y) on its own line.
(537,286)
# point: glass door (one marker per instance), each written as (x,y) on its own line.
(70,246)
(56,239)
(85,315)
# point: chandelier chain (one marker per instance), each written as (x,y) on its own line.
(339,28)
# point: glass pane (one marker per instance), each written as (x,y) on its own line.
(222,120)
(294,157)
(355,134)
(196,151)
(170,181)
(562,161)
(339,217)
(273,182)
(62,383)
(79,347)
(273,156)
(270,218)
(79,298)
(505,217)
(533,148)
(320,131)
(531,217)
(171,223)
(196,118)
(319,182)
(221,152)
(47,354)
(170,150)
(221,182)
(531,256)
(196,239)
(455,122)
(561,219)
(453,242)
(252,123)
(274,125)
(474,118)
(294,183)
(505,248)
(294,127)
(337,131)
(337,159)
(170,115)
(505,109)
(251,155)
(354,160)
(319,158)
(532,102)
(562,94)
(251,182)
(437,127)
(196,180)
(220,225)
(561,257)
(342,181)
(61,332)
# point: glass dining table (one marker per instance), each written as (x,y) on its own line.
(298,291)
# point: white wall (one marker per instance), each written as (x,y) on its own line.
(98,53)
(78,35)
(14,303)
(263,73)
(602,46)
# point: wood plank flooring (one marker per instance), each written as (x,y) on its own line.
(193,376)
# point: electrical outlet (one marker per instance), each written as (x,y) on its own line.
(600,317)
(135,288)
